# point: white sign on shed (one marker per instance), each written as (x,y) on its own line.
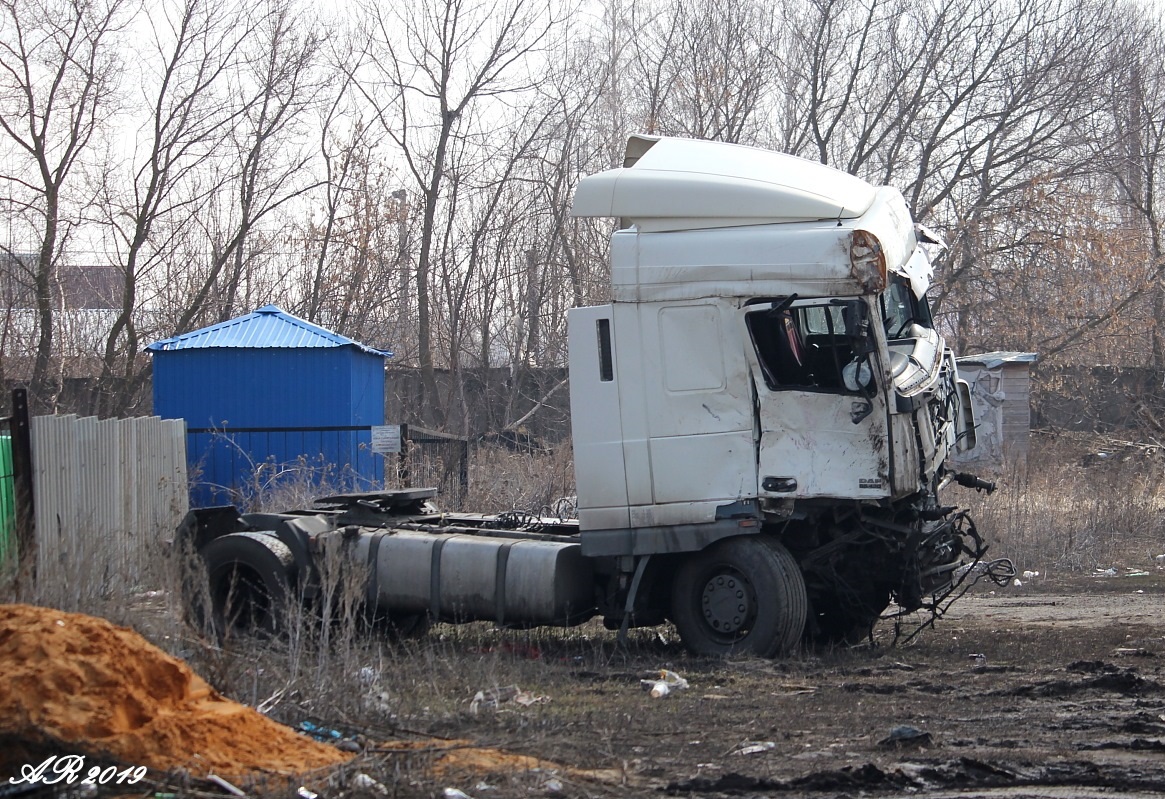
(386,438)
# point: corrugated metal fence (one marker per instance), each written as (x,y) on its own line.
(108,493)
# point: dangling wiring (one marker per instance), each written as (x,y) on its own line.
(1000,571)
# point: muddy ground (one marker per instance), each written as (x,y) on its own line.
(1053,689)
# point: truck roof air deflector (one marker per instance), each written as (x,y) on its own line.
(686,184)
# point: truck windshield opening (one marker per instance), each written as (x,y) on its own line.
(901,310)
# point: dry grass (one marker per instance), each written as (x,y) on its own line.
(501,479)
(1073,509)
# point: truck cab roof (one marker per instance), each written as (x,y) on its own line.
(707,219)
(686,184)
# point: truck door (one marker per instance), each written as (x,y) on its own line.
(822,421)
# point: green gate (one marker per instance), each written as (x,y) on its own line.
(7,500)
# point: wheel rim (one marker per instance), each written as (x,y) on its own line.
(728,604)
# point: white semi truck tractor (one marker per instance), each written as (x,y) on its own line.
(761,418)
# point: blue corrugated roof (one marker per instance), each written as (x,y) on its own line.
(269,326)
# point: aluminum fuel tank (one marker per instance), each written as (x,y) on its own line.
(457,577)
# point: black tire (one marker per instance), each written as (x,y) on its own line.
(846,620)
(795,595)
(249,576)
(741,595)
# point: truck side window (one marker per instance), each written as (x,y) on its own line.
(606,365)
(803,347)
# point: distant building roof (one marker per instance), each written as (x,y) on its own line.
(85,287)
(269,326)
(993,360)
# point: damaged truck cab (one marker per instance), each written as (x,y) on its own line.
(767,367)
(761,419)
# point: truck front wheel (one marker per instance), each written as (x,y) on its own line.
(740,595)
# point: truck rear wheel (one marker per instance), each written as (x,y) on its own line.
(740,595)
(249,576)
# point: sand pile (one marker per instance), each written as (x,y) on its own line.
(463,759)
(101,689)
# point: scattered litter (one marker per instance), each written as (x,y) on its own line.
(978,658)
(663,685)
(320,733)
(456,793)
(366,783)
(1136,573)
(526,698)
(367,675)
(494,697)
(1160,561)
(553,785)
(1030,575)
(1132,651)
(753,747)
(226,786)
(484,786)
(1017,583)
(380,702)
(905,735)
(1109,572)
(1139,591)
(304,793)
(794,689)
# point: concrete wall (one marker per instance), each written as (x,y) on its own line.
(481,401)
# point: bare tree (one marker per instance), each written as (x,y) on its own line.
(194,49)
(704,68)
(428,67)
(1130,142)
(351,246)
(965,105)
(59,74)
(267,165)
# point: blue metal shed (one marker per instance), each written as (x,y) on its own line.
(270,396)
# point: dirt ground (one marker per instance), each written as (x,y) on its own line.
(1053,689)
